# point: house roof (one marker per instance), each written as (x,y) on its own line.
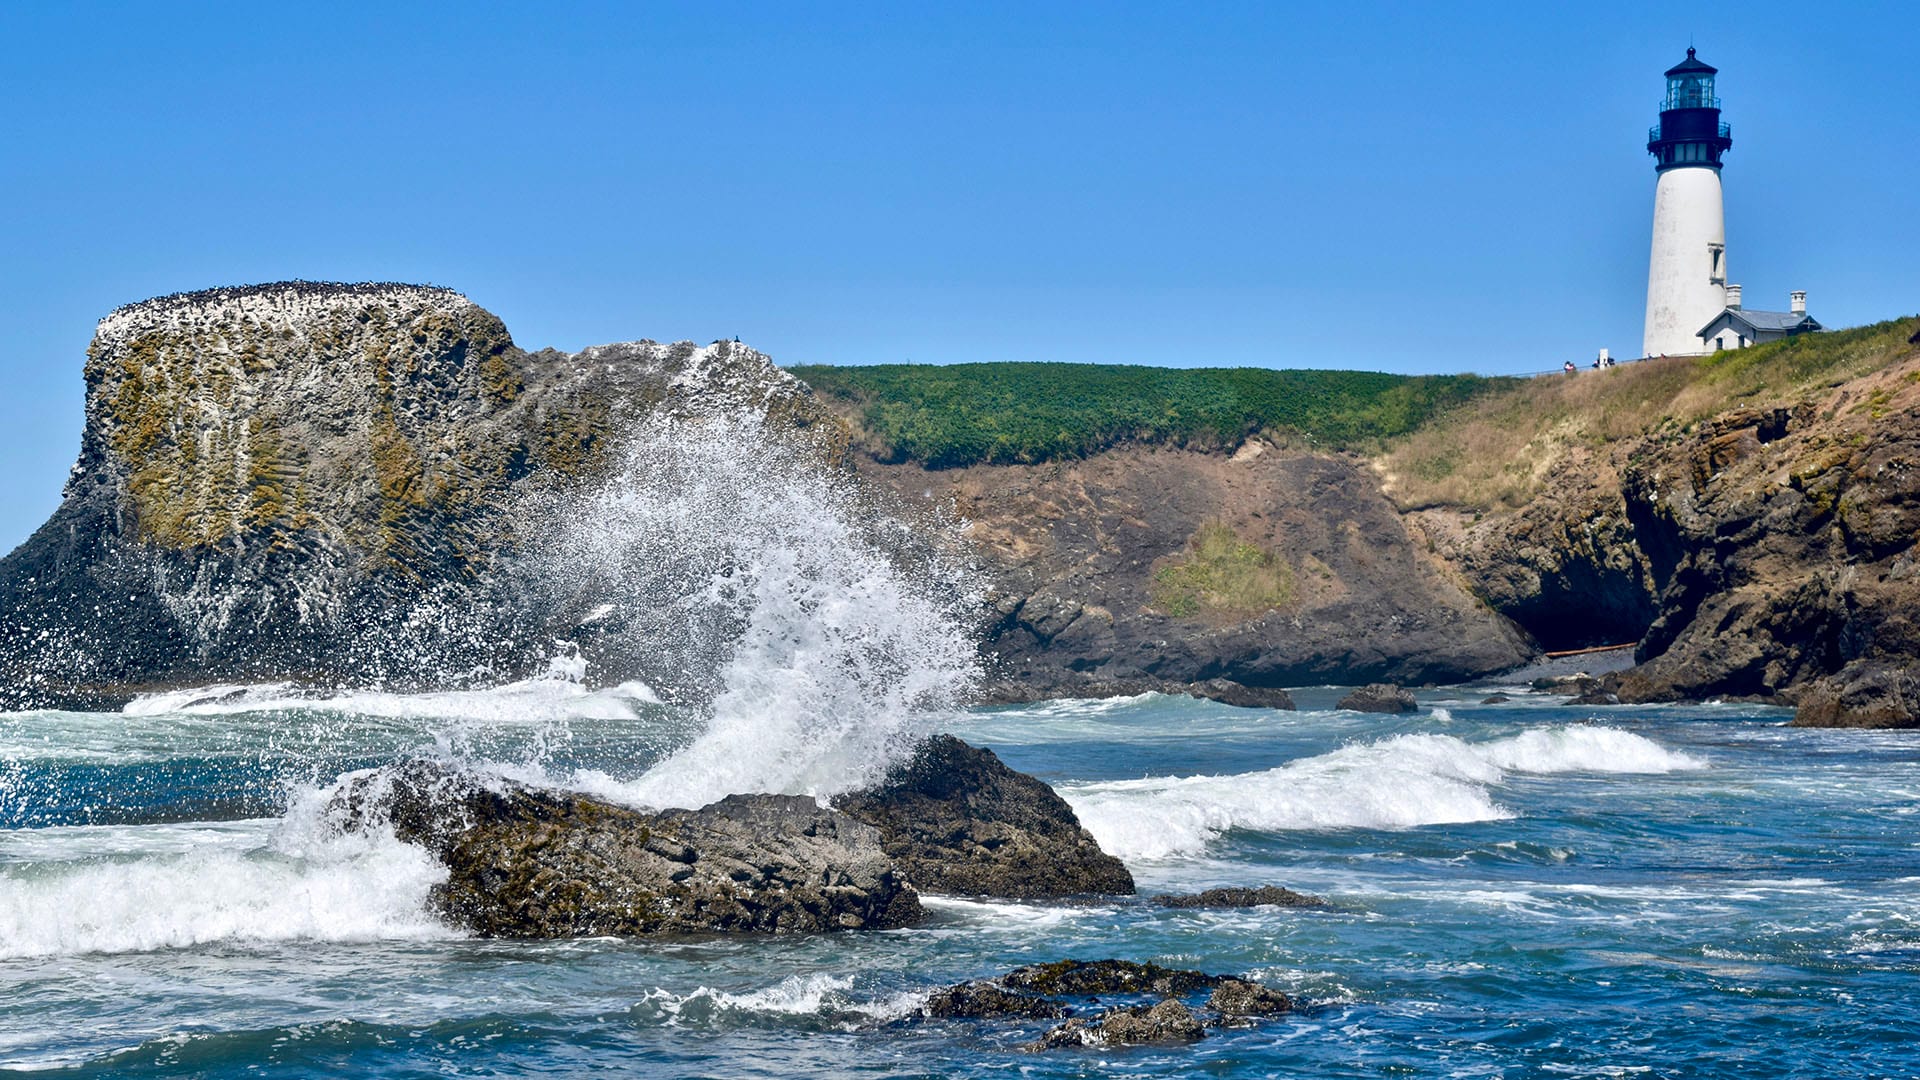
(1773,322)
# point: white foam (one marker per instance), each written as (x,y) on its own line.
(358,889)
(833,636)
(560,694)
(817,994)
(1402,782)
(1585,748)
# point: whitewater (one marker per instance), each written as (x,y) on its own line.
(1516,889)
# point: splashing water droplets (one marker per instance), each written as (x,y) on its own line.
(742,575)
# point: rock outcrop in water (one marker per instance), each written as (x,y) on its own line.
(957,820)
(1158,1004)
(524,862)
(530,862)
(305,481)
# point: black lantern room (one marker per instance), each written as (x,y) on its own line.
(1690,132)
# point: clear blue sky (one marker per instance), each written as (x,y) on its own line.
(1404,187)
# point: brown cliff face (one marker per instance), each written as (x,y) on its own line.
(1766,551)
(1268,567)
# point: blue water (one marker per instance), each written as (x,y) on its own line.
(1517,890)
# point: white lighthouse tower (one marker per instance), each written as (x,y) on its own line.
(1687,277)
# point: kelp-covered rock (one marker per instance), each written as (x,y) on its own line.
(525,862)
(304,481)
(958,820)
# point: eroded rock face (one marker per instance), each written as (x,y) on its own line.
(1087,560)
(1767,554)
(957,820)
(530,863)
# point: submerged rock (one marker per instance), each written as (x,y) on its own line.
(530,863)
(1495,699)
(958,820)
(1240,897)
(1380,698)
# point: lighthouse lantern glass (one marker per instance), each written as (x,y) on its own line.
(1690,91)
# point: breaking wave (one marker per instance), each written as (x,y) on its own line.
(336,889)
(1397,783)
(820,635)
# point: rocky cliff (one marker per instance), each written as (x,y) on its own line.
(1757,545)
(307,480)
(1266,567)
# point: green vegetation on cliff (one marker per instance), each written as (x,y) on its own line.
(1222,574)
(965,414)
(1499,450)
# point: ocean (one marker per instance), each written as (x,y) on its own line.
(1516,890)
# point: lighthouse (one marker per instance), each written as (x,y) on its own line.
(1687,276)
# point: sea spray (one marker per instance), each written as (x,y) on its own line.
(1400,782)
(746,576)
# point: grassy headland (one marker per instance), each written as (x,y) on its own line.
(1498,449)
(946,416)
(1441,440)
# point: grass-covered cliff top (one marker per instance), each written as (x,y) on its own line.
(1499,449)
(966,414)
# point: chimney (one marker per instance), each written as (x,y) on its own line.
(1733,297)
(1799,301)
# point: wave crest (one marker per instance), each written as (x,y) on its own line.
(1396,783)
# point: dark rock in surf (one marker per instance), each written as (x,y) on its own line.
(1239,897)
(1238,999)
(1597,697)
(1240,695)
(1865,695)
(1091,977)
(1041,991)
(957,820)
(1167,1022)
(530,863)
(1379,698)
(985,999)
